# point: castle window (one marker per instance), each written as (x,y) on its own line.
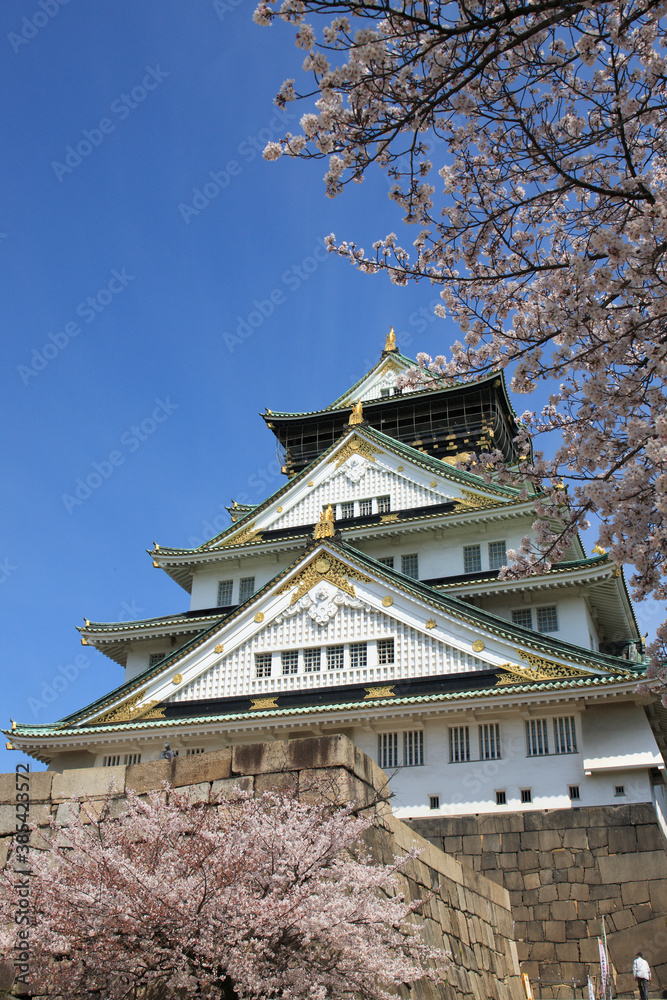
(262,664)
(413,748)
(246,588)
(565,735)
(132,758)
(358,654)
(434,801)
(388,750)
(335,657)
(523,616)
(410,565)
(225,593)
(385,393)
(365,508)
(312,660)
(497,555)
(489,741)
(459,744)
(154,658)
(619,791)
(537,737)
(113,760)
(501,798)
(194,751)
(472,559)
(387,561)
(526,795)
(289,659)
(384,505)
(547,619)
(346,511)
(574,792)
(385,650)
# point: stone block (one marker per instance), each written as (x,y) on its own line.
(94,782)
(532,880)
(580,891)
(658,895)
(592,876)
(150,775)
(575,839)
(452,845)
(550,840)
(642,912)
(634,892)
(586,911)
(543,951)
(564,910)
(589,950)
(569,951)
(202,767)
(508,861)
(609,891)
(563,858)
(281,781)
(621,919)
(472,845)
(528,861)
(548,893)
(598,837)
(650,938)
(513,881)
(575,929)
(5,844)
(634,867)
(491,841)
(650,838)
(622,840)
(67,812)
(224,787)
(510,842)
(295,755)
(605,906)
(554,930)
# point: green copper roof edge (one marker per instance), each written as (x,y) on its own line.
(383,357)
(592,680)
(141,622)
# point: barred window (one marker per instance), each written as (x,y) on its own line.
(547,619)
(565,735)
(410,565)
(384,505)
(523,616)
(574,792)
(225,588)
(365,508)
(193,751)
(385,650)
(501,798)
(112,760)
(132,758)
(537,737)
(526,795)
(387,561)
(246,588)
(312,660)
(459,744)
(335,657)
(434,801)
(489,741)
(413,748)
(154,658)
(472,559)
(497,555)
(358,654)
(346,510)
(262,664)
(388,750)
(290,661)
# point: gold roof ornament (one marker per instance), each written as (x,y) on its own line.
(390,342)
(599,550)
(325,526)
(357,415)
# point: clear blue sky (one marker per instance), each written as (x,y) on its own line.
(125,299)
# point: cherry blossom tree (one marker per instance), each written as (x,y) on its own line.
(526,141)
(256,898)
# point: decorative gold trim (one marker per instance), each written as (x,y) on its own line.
(9,746)
(323,568)
(177,679)
(538,670)
(156,564)
(131,710)
(258,703)
(388,518)
(219,648)
(399,468)
(433,484)
(249,534)
(390,341)
(325,526)
(380,692)
(599,550)
(431,623)
(259,617)
(472,501)
(355,446)
(279,510)
(13,722)
(84,641)
(311,483)
(357,415)
(387,601)
(460,456)
(477,646)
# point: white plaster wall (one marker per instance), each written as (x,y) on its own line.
(138,654)
(612,732)
(205,581)
(574,623)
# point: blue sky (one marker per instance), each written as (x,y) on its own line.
(162,284)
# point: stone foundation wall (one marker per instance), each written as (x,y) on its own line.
(468,915)
(565,869)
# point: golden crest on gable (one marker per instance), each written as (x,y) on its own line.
(131,710)
(538,669)
(323,568)
(356,446)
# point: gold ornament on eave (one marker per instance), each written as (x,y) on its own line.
(325,526)
(357,415)
(390,342)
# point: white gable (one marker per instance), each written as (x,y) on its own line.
(383,377)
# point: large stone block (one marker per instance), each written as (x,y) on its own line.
(622,840)
(650,938)
(634,892)
(94,782)
(575,838)
(564,910)
(650,838)
(658,895)
(297,755)
(634,867)
(150,776)
(550,840)
(202,767)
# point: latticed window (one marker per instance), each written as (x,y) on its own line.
(365,508)
(346,510)
(523,616)
(312,660)
(489,741)
(246,588)
(497,555)
(358,654)
(547,619)
(388,750)
(385,650)
(410,565)
(132,758)
(413,748)
(193,751)
(112,760)
(526,795)
(459,744)
(155,658)
(472,559)
(335,657)
(262,664)
(225,588)
(565,735)
(537,737)
(387,561)
(384,505)
(289,659)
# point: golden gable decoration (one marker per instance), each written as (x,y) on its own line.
(131,710)
(380,692)
(472,501)
(539,669)
(249,534)
(256,704)
(323,568)
(356,446)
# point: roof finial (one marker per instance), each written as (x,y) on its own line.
(357,415)
(390,342)
(325,526)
